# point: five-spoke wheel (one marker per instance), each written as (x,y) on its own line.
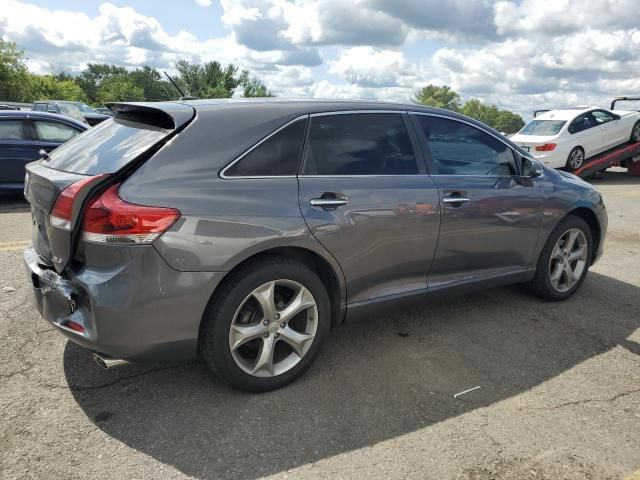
(265,324)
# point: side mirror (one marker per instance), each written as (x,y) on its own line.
(531,168)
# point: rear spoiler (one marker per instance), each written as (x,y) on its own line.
(623,99)
(166,115)
(538,112)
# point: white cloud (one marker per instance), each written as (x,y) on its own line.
(203,3)
(369,67)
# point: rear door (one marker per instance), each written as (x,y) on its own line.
(15,151)
(365,195)
(50,134)
(614,131)
(586,133)
(491,217)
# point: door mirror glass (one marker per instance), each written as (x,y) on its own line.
(531,168)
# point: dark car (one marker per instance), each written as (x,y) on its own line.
(104,111)
(23,134)
(78,110)
(246,229)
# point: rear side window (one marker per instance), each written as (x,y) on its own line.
(460,149)
(40,107)
(105,148)
(54,131)
(11,130)
(582,122)
(359,144)
(278,155)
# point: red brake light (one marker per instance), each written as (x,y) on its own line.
(547,147)
(110,219)
(62,209)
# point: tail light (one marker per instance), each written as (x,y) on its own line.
(547,147)
(110,219)
(62,210)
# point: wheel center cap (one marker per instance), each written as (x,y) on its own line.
(274,327)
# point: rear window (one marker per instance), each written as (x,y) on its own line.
(105,148)
(543,127)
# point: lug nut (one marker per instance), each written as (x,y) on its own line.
(266,335)
(277,316)
(283,324)
(276,335)
(265,323)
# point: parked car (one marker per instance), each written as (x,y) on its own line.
(566,138)
(104,111)
(8,107)
(246,229)
(23,134)
(78,110)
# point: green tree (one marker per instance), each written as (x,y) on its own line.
(94,74)
(119,88)
(441,97)
(13,73)
(155,88)
(214,80)
(48,87)
(508,122)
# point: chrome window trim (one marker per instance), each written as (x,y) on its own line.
(251,149)
(355,112)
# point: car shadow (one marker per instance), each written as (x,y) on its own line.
(13,202)
(616,176)
(375,380)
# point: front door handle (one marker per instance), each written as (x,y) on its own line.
(456,199)
(329,200)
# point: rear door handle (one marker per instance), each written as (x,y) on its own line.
(329,200)
(455,200)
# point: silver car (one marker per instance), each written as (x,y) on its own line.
(244,230)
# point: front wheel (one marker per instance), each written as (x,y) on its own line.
(266,324)
(575,159)
(564,261)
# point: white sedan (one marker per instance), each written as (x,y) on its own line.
(566,138)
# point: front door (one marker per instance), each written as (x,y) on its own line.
(491,216)
(367,199)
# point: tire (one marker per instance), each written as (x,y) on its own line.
(235,356)
(575,159)
(551,259)
(635,133)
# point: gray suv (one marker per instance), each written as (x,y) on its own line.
(244,230)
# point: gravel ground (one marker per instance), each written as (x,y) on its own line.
(559,396)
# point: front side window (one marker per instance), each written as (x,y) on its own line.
(54,131)
(11,130)
(460,149)
(602,117)
(359,144)
(278,155)
(40,107)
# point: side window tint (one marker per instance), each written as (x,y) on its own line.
(278,155)
(41,107)
(582,122)
(53,131)
(11,130)
(460,149)
(359,144)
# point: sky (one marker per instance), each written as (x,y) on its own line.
(520,55)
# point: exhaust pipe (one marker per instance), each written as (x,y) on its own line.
(107,362)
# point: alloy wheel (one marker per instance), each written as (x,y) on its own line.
(635,135)
(568,260)
(273,328)
(576,158)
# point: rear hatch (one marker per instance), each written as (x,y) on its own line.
(91,162)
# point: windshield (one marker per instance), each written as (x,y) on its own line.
(542,127)
(86,108)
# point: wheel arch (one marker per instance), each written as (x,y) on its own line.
(330,275)
(591,219)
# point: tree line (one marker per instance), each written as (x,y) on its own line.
(99,83)
(444,97)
